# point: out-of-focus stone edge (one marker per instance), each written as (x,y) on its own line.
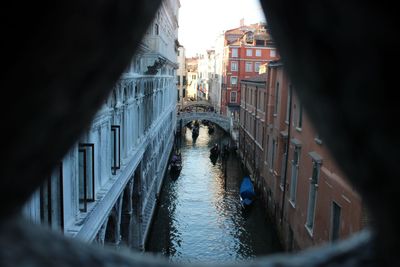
(42,247)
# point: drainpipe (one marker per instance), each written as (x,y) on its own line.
(244,128)
(255,135)
(287,154)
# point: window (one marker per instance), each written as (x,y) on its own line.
(233,80)
(283,164)
(86,175)
(263,136)
(234,52)
(193,77)
(273,154)
(116,148)
(184,80)
(136,65)
(288,103)
(257,66)
(255,135)
(276,98)
(234,66)
(266,149)
(156,29)
(260,42)
(233,97)
(272,53)
(264,97)
(249,52)
(295,172)
(335,228)
(249,67)
(258,53)
(312,196)
(52,200)
(300,117)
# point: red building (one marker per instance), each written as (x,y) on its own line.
(303,189)
(246,49)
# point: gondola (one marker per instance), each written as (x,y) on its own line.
(214,151)
(247,193)
(210,129)
(176,163)
(195,132)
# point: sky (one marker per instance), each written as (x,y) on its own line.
(200,21)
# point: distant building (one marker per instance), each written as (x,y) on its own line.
(192,77)
(105,188)
(245,49)
(303,189)
(206,70)
(181,76)
(215,81)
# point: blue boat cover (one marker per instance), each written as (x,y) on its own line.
(247,189)
(247,201)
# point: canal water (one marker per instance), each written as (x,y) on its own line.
(199,217)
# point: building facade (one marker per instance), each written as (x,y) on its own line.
(192,77)
(106,187)
(245,49)
(303,189)
(181,76)
(206,70)
(215,81)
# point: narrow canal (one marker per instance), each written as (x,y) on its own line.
(199,217)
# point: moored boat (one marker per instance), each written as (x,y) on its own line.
(176,163)
(214,151)
(210,128)
(247,193)
(195,132)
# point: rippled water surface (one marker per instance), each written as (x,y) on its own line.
(199,217)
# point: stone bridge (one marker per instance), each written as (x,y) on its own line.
(222,121)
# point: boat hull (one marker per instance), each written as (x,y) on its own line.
(247,192)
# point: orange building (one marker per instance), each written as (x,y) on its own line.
(246,49)
(303,189)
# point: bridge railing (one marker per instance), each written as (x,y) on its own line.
(192,104)
(184,115)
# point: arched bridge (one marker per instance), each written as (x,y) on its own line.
(222,121)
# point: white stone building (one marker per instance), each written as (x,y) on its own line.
(192,77)
(214,93)
(181,76)
(105,189)
(206,70)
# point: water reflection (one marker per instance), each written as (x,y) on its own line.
(200,217)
